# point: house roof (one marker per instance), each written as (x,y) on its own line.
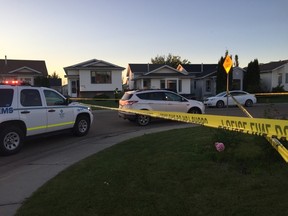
(94,64)
(272,65)
(200,70)
(154,71)
(185,70)
(10,67)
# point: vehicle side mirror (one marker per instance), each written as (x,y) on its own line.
(68,100)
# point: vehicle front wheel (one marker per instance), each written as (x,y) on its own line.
(11,140)
(143,120)
(249,103)
(220,104)
(81,126)
(195,110)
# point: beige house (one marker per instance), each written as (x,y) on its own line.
(93,78)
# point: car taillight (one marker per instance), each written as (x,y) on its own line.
(127,102)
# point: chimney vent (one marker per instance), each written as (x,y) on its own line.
(5,60)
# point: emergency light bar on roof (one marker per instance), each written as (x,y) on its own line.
(11,82)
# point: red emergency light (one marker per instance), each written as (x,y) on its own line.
(11,82)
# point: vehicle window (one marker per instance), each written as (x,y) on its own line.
(236,93)
(152,96)
(222,94)
(6,96)
(126,96)
(30,97)
(143,96)
(53,98)
(172,97)
(157,96)
(241,93)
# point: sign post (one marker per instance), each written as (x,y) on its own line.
(227,66)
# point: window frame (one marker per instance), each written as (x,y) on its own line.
(101,77)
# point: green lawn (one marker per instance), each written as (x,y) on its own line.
(273,99)
(178,172)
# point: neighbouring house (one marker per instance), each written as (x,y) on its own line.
(202,79)
(192,80)
(156,76)
(21,71)
(274,74)
(93,78)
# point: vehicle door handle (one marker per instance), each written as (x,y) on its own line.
(52,110)
(25,112)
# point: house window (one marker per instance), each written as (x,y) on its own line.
(100,77)
(180,85)
(162,84)
(208,85)
(279,78)
(172,85)
(286,78)
(146,83)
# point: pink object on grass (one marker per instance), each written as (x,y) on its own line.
(219,146)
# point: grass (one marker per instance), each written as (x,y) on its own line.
(272,99)
(103,102)
(178,172)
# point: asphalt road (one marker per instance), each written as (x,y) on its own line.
(42,158)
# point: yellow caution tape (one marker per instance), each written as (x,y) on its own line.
(256,126)
(271,129)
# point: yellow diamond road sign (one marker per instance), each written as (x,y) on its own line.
(227,64)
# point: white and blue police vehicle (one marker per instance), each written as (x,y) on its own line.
(27,111)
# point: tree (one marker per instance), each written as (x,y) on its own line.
(251,82)
(236,63)
(170,60)
(54,75)
(41,81)
(221,80)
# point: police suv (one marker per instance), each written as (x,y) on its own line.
(27,111)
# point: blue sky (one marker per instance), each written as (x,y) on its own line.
(66,32)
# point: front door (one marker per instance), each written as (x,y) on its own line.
(59,115)
(74,88)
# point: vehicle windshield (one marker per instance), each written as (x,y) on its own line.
(222,94)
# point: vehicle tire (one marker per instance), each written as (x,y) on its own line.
(11,140)
(81,126)
(195,110)
(143,120)
(220,104)
(249,103)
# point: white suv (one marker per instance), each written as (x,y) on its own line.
(27,111)
(160,100)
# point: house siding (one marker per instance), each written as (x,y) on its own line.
(266,82)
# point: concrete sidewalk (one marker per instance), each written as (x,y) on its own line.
(21,182)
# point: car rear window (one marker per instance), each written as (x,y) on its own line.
(126,96)
(6,96)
